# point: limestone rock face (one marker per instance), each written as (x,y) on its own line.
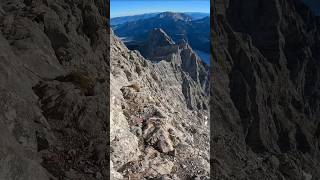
(265,86)
(161,108)
(159,38)
(158,46)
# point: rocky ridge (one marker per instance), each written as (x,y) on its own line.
(54,89)
(159,110)
(159,46)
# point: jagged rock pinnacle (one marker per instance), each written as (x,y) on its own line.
(157,37)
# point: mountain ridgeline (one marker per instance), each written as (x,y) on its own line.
(159,110)
(191,27)
(159,107)
(125,19)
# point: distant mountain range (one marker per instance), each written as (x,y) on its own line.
(125,19)
(191,27)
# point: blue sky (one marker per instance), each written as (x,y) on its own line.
(132,7)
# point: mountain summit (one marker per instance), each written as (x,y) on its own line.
(157,37)
(160,47)
(175,16)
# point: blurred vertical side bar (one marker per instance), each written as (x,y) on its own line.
(104,9)
(218,11)
(106,14)
(212,29)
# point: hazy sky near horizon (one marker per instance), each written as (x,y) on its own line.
(132,7)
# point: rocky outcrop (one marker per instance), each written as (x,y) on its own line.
(156,130)
(265,85)
(159,46)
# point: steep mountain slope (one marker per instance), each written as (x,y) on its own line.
(54,91)
(177,25)
(159,112)
(265,91)
(159,46)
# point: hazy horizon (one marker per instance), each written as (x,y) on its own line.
(120,8)
(159,12)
